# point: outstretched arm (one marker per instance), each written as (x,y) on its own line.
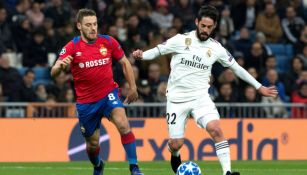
(244,75)
(147,55)
(128,73)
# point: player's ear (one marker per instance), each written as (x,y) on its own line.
(196,22)
(79,26)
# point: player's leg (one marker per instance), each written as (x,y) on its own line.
(221,146)
(116,113)
(118,117)
(93,149)
(207,116)
(90,119)
(176,116)
(174,146)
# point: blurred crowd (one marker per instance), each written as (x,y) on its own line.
(247,28)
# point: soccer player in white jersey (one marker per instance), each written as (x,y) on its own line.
(193,55)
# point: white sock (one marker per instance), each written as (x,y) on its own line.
(174,153)
(223,153)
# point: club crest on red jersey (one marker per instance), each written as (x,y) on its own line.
(103,51)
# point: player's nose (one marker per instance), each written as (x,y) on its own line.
(205,29)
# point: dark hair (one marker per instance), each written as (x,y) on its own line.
(208,11)
(39,31)
(28,71)
(85,12)
(271,56)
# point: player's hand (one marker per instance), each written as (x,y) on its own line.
(138,54)
(65,62)
(268,91)
(132,96)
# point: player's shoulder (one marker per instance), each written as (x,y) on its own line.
(101,36)
(76,39)
(106,39)
(214,43)
(72,43)
(177,38)
(183,35)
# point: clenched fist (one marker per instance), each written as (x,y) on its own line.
(138,54)
(65,62)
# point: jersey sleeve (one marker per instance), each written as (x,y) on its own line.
(68,49)
(169,46)
(225,58)
(117,51)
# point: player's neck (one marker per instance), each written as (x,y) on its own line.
(88,41)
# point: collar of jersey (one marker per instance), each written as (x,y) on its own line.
(91,42)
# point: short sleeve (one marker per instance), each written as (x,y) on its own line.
(67,50)
(117,51)
(225,58)
(169,46)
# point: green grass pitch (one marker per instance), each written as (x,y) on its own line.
(154,168)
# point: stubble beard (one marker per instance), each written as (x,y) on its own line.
(200,37)
(87,37)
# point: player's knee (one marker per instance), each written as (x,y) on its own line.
(175,144)
(123,129)
(215,132)
(122,125)
(92,144)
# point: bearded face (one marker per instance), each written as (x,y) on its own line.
(205,26)
(88,28)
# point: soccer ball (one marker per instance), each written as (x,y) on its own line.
(188,168)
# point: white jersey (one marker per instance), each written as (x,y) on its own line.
(191,65)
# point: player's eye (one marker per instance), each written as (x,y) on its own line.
(205,26)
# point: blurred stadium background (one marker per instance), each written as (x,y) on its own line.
(37,113)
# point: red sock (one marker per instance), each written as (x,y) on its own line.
(94,156)
(127,138)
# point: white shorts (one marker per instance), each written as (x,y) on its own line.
(177,114)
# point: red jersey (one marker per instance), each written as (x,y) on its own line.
(298,112)
(91,66)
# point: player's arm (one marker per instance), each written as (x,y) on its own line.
(244,75)
(147,55)
(60,65)
(118,54)
(170,46)
(128,73)
(64,60)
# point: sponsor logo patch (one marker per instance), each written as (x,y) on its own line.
(63,51)
(230,56)
(81,65)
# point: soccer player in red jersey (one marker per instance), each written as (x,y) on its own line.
(90,59)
